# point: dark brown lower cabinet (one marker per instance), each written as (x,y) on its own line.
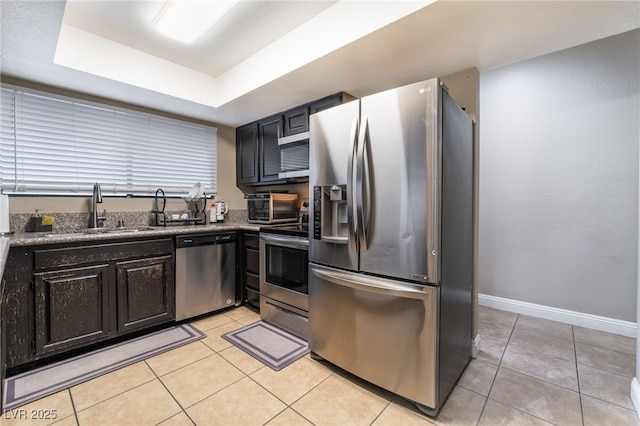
(250,275)
(72,308)
(64,297)
(144,292)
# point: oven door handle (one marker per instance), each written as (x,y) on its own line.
(292,242)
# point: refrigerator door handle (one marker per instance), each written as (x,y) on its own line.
(374,285)
(361,226)
(434,180)
(353,242)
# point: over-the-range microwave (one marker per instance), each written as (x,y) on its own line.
(272,207)
(294,156)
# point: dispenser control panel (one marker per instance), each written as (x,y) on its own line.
(317,212)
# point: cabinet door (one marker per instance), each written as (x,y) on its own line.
(247,154)
(72,308)
(325,103)
(296,121)
(145,292)
(270,130)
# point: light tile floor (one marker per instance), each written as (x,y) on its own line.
(529,372)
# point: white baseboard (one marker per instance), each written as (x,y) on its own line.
(609,325)
(635,395)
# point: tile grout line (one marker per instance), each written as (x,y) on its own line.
(574,343)
(509,345)
(182,409)
(73,405)
(506,368)
(602,370)
(524,348)
(306,393)
(380,413)
(498,369)
(214,352)
(298,399)
(575,355)
(246,375)
(112,396)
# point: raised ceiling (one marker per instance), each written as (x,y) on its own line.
(246,29)
(267,56)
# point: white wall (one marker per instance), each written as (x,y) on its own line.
(559,179)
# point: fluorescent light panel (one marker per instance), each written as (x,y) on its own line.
(187,20)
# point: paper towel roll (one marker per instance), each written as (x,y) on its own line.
(4,214)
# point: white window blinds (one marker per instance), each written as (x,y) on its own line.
(57,145)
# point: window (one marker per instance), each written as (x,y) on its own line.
(51,144)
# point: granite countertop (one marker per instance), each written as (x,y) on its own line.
(87,235)
(4,252)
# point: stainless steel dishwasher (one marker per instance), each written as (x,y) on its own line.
(205,273)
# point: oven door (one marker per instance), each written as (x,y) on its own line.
(284,270)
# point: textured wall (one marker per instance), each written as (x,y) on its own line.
(559,179)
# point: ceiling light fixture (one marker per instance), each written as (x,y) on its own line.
(187,20)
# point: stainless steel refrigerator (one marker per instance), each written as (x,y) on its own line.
(390,248)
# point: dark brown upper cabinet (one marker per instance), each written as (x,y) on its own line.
(257,150)
(247,154)
(296,121)
(269,130)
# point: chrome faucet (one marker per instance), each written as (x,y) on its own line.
(96,197)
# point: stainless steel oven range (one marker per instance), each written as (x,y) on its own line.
(284,288)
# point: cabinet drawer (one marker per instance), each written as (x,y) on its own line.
(253,281)
(252,241)
(79,255)
(253,298)
(253,261)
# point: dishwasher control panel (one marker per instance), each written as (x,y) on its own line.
(205,239)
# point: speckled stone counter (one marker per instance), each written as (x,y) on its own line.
(5,242)
(99,234)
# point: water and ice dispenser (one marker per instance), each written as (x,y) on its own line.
(330,214)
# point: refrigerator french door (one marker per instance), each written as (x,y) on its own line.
(390,252)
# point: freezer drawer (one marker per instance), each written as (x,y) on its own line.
(381,330)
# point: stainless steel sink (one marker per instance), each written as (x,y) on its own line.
(99,231)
